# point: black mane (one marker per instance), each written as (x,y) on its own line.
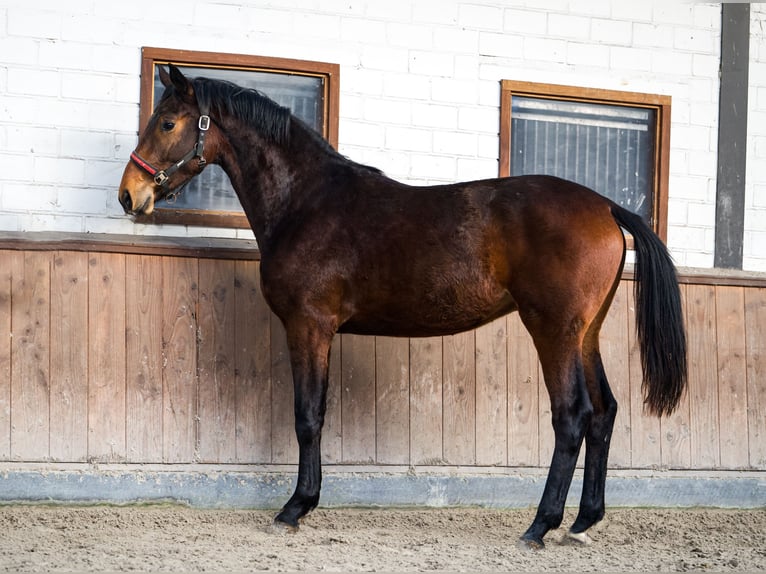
(258,111)
(251,106)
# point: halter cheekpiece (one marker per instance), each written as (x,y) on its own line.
(162,176)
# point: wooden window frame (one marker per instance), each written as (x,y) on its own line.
(659,103)
(150,57)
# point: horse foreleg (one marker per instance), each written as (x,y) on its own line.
(597,440)
(571,412)
(309,356)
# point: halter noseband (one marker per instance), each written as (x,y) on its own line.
(162,176)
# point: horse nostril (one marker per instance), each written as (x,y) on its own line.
(125,200)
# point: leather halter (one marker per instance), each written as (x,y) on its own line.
(162,176)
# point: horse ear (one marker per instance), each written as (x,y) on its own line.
(164,76)
(180,83)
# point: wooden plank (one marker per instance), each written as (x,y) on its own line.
(755,319)
(143,364)
(645,439)
(525,394)
(332,433)
(426,401)
(284,446)
(358,398)
(106,357)
(675,429)
(459,414)
(732,376)
(253,366)
(614,344)
(492,393)
(216,410)
(179,344)
(69,357)
(6,266)
(392,388)
(30,360)
(703,373)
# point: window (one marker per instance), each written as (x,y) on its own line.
(616,143)
(309,89)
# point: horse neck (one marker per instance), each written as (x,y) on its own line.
(271,180)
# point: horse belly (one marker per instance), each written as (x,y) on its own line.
(430,314)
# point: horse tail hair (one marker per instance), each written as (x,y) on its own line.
(659,317)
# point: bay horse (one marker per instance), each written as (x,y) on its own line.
(345,249)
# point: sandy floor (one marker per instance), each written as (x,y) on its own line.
(172,538)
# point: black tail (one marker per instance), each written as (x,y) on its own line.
(659,316)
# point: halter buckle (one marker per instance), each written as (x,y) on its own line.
(161,178)
(204,123)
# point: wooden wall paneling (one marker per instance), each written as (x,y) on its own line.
(459,394)
(216,409)
(392,400)
(358,398)
(106,357)
(492,393)
(179,344)
(525,386)
(144,357)
(703,376)
(614,344)
(755,328)
(645,439)
(6,266)
(252,337)
(732,376)
(332,433)
(676,448)
(426,404)
(69,357)
(284,446)
(30,376)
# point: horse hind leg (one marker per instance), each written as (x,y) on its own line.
(570,412)
(597,440)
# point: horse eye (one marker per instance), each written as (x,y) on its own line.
(168,126)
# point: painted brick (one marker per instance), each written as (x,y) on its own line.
(411,36)
(653,36)
(617,32)
(59,170)
(408,139)
(478,120)
(87,86)
(362,30)
(406,86)
(457,40)
(434,167)
(455,91)
(630,59)
(33,82)
(31,23)
(434,116)
(389,111)
(389,59)
(542,49)
(456,143)
(480,17)
(525,22)
(694,40)
(361,133)
(15,50)
(592,55)
(494,44)
(566,26)
(433,64)
(31,139)
(469,169)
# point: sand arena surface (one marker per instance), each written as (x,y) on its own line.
(175,538)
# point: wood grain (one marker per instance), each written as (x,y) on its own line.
(392,420)
(6,276)
(492,393)
(459,393)
(106,357)
(426,405)
(525,394)
(358,402)
(143,361)
(755,322)
(69,357)
(179,345)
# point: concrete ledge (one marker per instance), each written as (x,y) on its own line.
(270,489)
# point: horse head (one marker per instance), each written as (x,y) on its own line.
(170,149)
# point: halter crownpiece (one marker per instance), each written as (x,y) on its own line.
(162,176)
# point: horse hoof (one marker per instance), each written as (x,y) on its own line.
(530,544)
(580,538)
(279,527)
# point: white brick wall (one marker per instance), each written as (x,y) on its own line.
(419,91)
(754,248)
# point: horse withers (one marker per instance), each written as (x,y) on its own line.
(346,249)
